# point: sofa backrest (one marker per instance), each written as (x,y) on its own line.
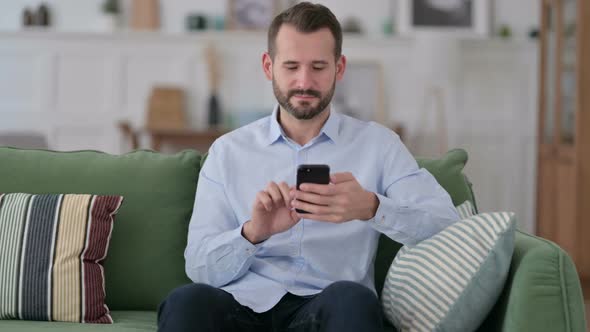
(145,259)
(448,171)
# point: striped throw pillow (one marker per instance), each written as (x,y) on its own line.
(51,252)
(451,281)
(465,209)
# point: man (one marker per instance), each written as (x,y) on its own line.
(257,264)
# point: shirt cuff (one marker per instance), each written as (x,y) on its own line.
(242,245)
(231,256)
(386,219)
(386,208)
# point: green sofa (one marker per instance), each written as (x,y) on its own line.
(145,259)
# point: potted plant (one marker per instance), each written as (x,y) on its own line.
(109,20)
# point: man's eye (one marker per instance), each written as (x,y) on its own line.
(291,68)
(319,68)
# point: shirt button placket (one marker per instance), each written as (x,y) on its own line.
(301,158)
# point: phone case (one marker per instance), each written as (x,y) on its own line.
(312,174)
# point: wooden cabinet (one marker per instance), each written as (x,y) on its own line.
(563,178)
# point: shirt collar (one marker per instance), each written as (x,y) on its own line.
(330,128)
(274,131)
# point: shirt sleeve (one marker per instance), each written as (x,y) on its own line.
(216,251)
(413,206)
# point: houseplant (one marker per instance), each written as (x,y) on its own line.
(110,15)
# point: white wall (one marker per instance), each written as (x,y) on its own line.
(79,15)
(75,87)
(491,112)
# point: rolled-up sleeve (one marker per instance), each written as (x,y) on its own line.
(413,206)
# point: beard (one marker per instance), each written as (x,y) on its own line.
(305,110)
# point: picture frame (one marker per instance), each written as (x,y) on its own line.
(360,93)
(466,18)
(251,14)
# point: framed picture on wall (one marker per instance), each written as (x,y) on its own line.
(251,14)
(461,17)
(360,93)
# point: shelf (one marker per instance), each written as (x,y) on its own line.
(242,36)
(566,152)
(564,181)
(562,152)
(128,34)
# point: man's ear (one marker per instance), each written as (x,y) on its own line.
(340,67)
(267,65)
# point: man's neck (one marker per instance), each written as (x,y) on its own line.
(302,131)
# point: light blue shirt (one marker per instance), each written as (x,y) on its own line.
(313,254)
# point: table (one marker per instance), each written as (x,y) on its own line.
(179,138)
(190,138)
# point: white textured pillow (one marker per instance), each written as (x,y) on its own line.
(451,281)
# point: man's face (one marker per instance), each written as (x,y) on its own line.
(304,71)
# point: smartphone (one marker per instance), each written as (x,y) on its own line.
(312,174)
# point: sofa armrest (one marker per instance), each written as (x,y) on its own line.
(542,291)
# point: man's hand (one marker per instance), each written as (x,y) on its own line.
(271,213)
(342,200)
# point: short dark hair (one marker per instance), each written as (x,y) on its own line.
(306,17)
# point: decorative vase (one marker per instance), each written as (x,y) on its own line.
(43,16)
(28,18)
(145,14)
(214,111)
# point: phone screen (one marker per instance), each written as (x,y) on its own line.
(312,174)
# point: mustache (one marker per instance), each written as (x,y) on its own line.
(308,92)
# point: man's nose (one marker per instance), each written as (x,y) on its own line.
(305,79)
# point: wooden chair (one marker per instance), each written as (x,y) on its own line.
(129,134)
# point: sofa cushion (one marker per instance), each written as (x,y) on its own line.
(124,321)
(448,171)
(145,260)
(451,281)
(51,252)
(542,284)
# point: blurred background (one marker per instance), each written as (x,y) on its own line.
(118,75)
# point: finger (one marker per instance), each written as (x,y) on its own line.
(295,216)
(321,189)
(263,198)
(313,198)
(285,193)
(311,208)
(341,177)
(331,218)
(275,193)
(292,191)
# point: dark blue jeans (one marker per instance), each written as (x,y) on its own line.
(342,306)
